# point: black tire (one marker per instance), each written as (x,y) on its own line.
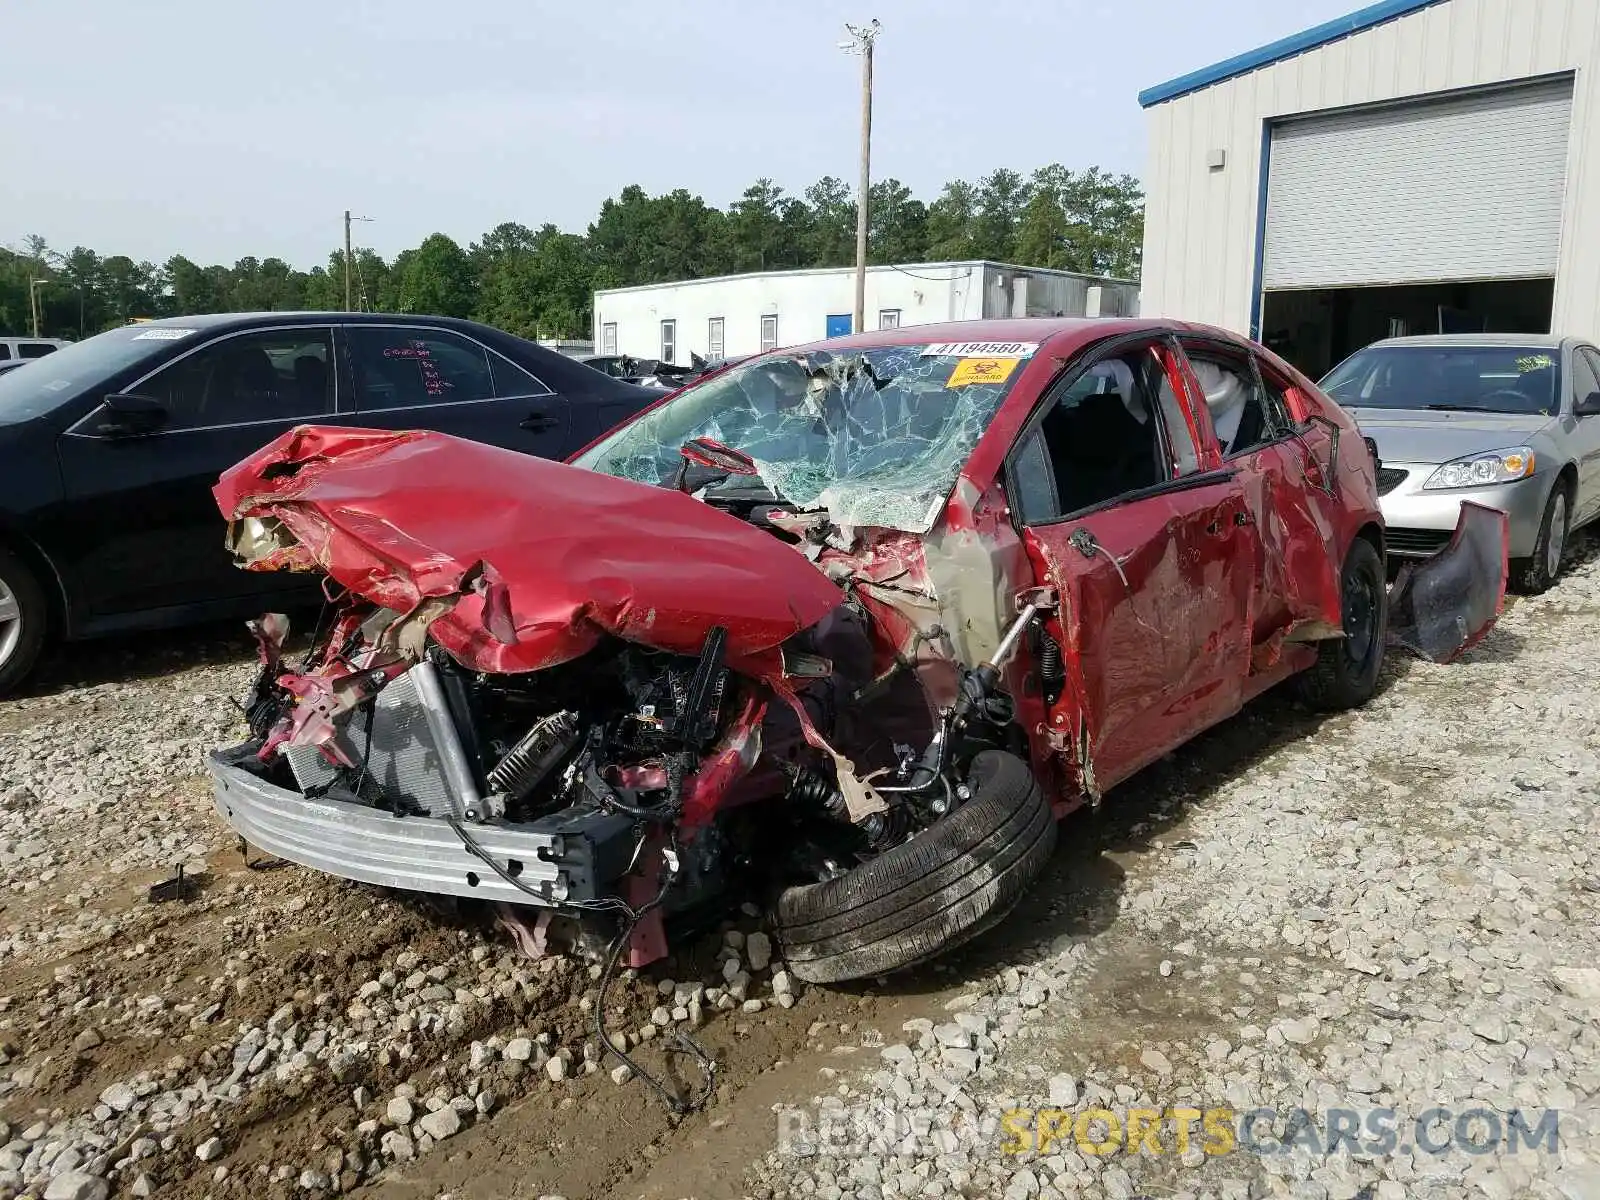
(21,637)
(1531,576)
(946,885)
(1345,674)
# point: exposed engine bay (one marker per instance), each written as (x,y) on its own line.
(637,768)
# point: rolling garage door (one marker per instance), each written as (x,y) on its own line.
(1466,188)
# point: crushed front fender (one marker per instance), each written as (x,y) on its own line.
(1443,606)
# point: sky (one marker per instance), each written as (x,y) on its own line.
(227,128)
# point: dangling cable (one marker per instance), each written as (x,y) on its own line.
(708,1066)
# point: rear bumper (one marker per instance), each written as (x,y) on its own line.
(565,857)
(1420,523)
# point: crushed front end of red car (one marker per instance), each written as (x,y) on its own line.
(611,702)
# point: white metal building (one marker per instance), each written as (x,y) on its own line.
(1415,167)
(744,314)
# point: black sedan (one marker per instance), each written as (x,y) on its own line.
(110,446)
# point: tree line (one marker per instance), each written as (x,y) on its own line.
(540,282)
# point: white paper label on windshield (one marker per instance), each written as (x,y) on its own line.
(161,335)
(980,350)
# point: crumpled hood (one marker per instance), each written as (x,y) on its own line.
(528,562)
(1406,436)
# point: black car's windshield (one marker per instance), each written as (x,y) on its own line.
(56,378)
(1498,379)
(875,437)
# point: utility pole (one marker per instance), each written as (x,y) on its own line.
(861,41)
(349,304)
(34,284)
(347,307)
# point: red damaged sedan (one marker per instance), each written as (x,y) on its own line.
(845,627)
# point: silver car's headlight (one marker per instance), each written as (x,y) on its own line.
(1483,470)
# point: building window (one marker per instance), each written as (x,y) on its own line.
(888,318)
(608,338)
(714,338)
(669,341)
(769,333)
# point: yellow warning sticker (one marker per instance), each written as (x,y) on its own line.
(982,370)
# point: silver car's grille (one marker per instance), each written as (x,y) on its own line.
(415,754)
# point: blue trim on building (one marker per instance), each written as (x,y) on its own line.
(1256,296)
(1299,43)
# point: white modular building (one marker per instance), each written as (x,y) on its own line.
(1419,166)
(744,314)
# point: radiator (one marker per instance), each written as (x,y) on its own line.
(415,755)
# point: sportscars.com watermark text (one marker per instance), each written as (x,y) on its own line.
(877,1130)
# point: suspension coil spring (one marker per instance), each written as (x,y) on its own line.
(1051,667)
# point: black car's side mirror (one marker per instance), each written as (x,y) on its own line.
(126,414)
(1589,406)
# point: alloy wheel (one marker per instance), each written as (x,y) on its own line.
(1556,542)
(10,622)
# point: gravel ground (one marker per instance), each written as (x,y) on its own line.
(1392,909)
(279,1033)
(1396,911)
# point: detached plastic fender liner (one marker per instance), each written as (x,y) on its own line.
(1443,606)
(943,887)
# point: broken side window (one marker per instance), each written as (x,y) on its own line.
(1100,436)
(1245,412)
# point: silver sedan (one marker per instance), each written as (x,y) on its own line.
(1507,420)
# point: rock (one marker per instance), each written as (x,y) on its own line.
(119,1097)
(399,1112)
(556,1068)
(1063,1091)
(398,1146)
(782,984)
(758,950)
(1166,968)
(518,1049)
(77,1185)
(1582,982)
(1300,1032)
(87,1040)
(209,1150)
(142,1187)
(965,1062)
(347,1066)
(1490,1028)
(1156,1061)
(445,1123)
(621,1073)
(312,1180)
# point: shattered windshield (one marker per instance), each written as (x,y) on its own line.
(876,437)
